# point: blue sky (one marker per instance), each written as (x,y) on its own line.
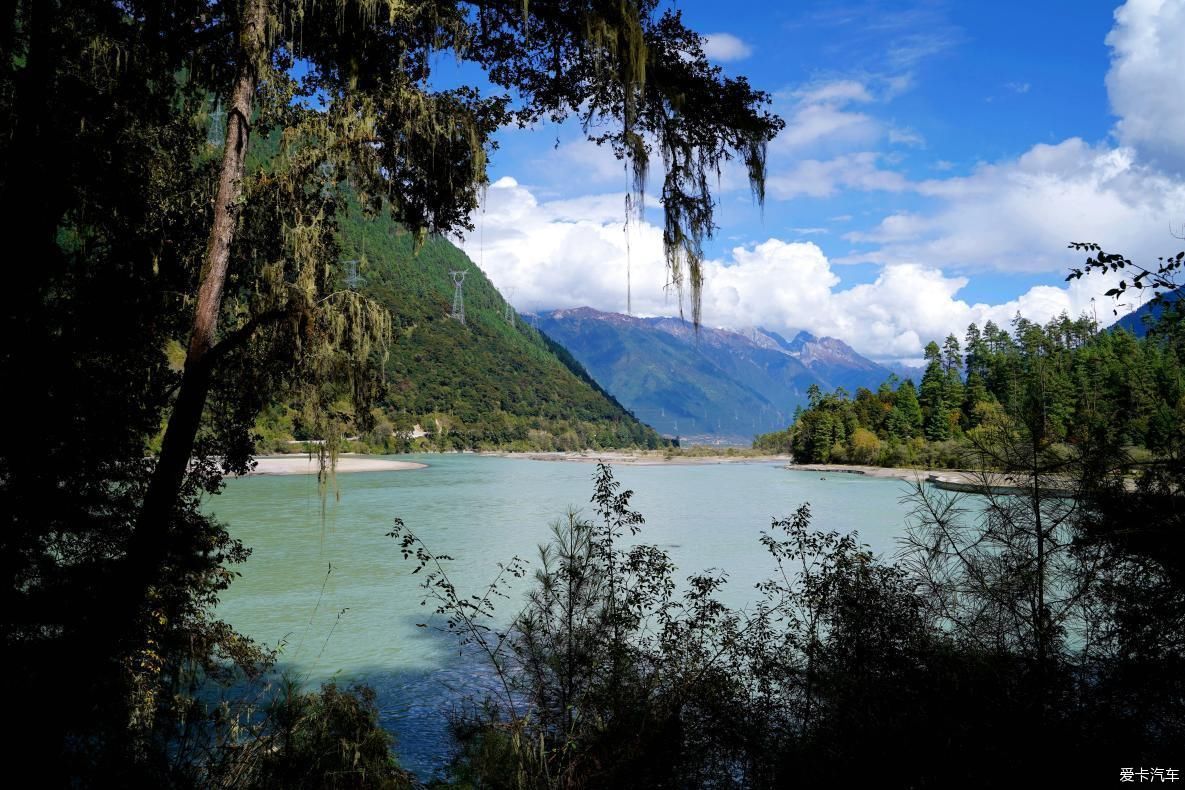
(937,158)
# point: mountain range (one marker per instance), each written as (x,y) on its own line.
(711,385)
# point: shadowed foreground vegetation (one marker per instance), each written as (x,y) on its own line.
(190,180)
(1011,634)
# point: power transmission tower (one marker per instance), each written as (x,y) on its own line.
(509,312)
(458,298)
(326,171)
(216,136)
(352,276)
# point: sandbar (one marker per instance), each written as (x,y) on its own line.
(306,465)
(651,458)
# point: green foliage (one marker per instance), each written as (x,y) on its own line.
(774,442)
(1161,278)
(865,447)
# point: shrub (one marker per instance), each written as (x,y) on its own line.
(327,739)
(864,447)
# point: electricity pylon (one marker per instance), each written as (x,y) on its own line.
(216,136)
(352,276)
(509,311)
(458,299)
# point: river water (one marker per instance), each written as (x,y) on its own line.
(336,597)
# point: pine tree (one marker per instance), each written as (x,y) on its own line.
(932,397)
(905,419)
(952,392)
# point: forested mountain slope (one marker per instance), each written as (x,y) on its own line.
(493,381)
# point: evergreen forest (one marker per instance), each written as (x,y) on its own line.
(1089,385)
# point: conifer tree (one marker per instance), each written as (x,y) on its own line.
(905,419)
(932,398)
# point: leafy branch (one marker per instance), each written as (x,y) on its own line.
(1160,278)
(465,616)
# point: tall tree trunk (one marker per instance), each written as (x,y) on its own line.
(150,542)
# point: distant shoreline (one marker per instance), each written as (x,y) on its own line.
(304,464)
(645,458)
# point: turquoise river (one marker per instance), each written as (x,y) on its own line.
(358,622)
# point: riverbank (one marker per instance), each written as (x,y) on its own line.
(946,479)
(642,458)
(304,464)
(908,474)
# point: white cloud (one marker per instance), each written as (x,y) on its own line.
(909,50)
(567,253)
(819,115)
(573,253)
(596,164)
(834,92)
(1018,215)
(725,47)
(793,286)
(815,178)
(1012,215)
(906,136)
(827,145)
(897,85)
(1147,61)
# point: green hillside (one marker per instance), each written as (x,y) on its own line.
(484,384)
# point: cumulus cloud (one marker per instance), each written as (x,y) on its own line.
(1018,215)
(1147,61)
(790,286)
(575,252)
(725,47)
(567,253)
